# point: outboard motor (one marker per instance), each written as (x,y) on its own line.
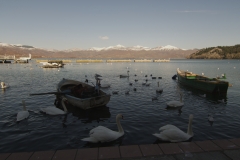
(174,77)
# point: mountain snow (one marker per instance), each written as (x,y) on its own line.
(117,47)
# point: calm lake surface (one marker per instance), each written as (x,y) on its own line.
(142,116)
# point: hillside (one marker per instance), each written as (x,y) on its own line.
(115,52)
(219,52)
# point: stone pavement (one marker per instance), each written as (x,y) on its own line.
(197,150)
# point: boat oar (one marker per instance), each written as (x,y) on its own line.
(35,94)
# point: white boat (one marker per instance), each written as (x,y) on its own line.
(82,95)
(51,65)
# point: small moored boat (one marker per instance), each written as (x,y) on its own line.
(82,95)
(201,82)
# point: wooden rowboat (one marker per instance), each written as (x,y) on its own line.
(82,95)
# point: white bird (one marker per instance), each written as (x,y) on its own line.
(22,114)
(55,110)
(103,134)
(175,104)
(159,90)
(3,85)
(174,134)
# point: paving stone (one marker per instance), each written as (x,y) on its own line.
(235,141)
(189,147)
(4,156)
(170,148)
(225,144)
(87,154)
(150,149)
(65,154)
(108,152)
(130,151)
(233,154)
(208,146)
(20,156)
(202,156)
(42,155)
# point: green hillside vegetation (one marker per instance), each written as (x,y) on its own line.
(219,52)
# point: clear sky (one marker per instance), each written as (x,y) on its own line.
(68,24)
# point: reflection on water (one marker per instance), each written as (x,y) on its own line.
(142,115)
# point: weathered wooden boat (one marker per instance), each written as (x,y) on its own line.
(82,95)
(209,85)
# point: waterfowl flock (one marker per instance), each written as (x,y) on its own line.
(103,134)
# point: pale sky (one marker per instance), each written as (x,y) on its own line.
(68,24)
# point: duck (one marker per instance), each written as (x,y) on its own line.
(172,133)
(210,118)
(175,104)
(55,110)
(148,84)
(115,92)
(124,76)
(130,83)
(159,90)
(103,134)
(154,98)
(22,114)
(127,92)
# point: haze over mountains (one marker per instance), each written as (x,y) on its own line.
(111,52)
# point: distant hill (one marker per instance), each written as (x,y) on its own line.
(112,52)
(219,52)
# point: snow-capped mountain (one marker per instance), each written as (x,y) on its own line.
(117,47)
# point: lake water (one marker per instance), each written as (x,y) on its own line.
(142,116)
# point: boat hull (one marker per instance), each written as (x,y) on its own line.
(202,83)
(84,103)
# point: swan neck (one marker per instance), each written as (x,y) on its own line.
(120,129)
(63,105)
(190,132)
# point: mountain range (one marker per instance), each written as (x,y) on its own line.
(111,52)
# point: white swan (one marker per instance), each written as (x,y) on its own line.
(159,90)
(103,134)
(174,134)
(55,110)
(22,114)
(175,104)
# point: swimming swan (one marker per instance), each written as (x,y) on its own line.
(22,114)
(55,110)
(175,104)
(103,134)
(174,134)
